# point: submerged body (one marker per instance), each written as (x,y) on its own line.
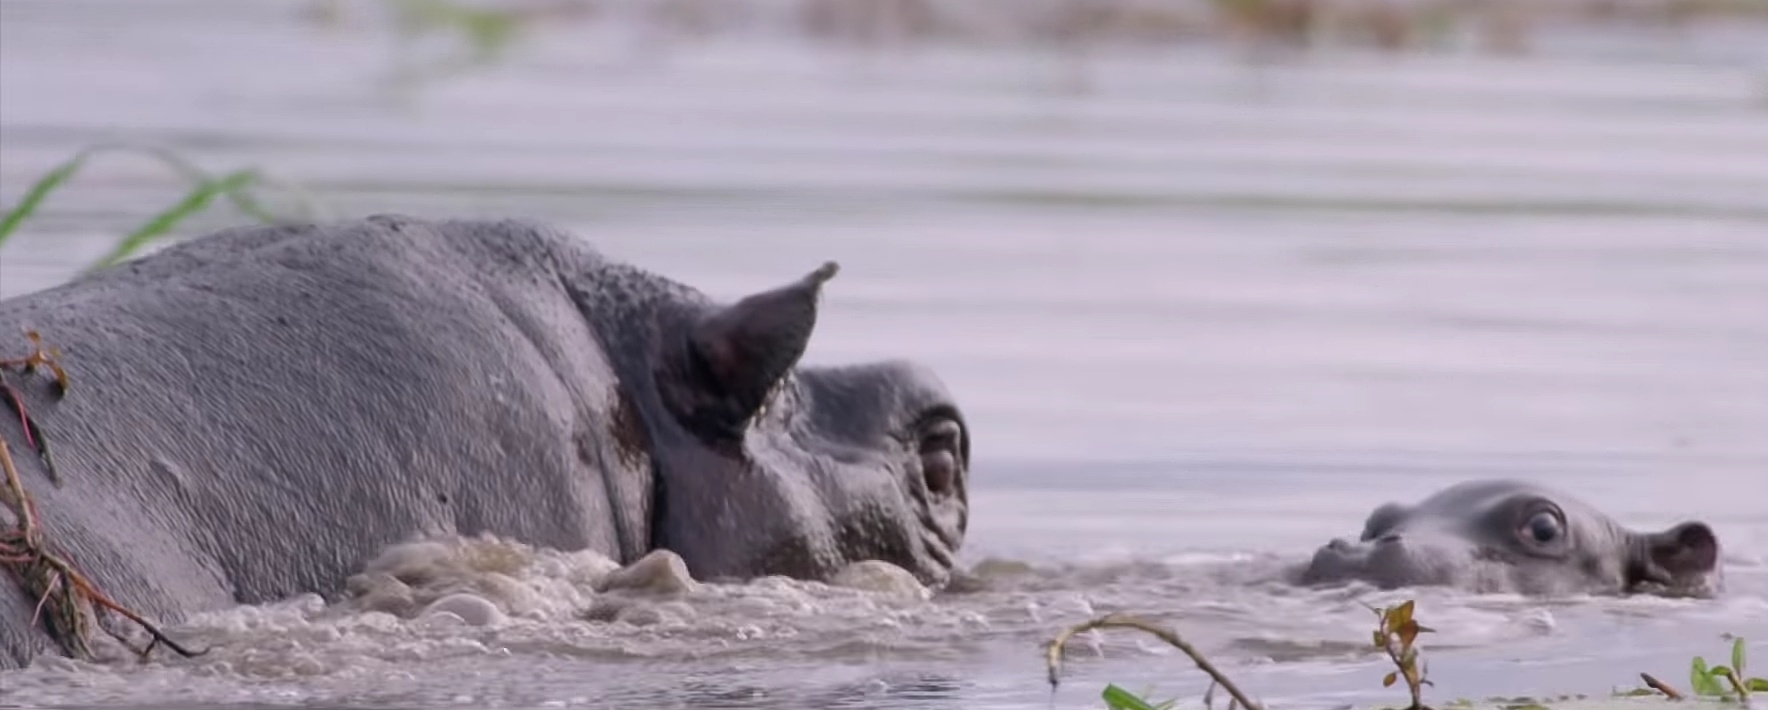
(254,414)
(1511,536)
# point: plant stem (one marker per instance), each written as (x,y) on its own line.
(1660,686)
(1053,653)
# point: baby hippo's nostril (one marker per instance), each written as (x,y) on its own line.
(1339,544)
(1388,539)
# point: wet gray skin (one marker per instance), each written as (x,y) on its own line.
(256,413)
(1512,536)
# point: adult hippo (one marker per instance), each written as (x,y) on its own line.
(1511,536)
(255,413)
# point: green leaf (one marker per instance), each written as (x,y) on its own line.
(1399,615)
(1701,679)
(1117,698)
(1737,658)
(38,192)
(232,186)
(1755,684)
(1408,632)
(164,222)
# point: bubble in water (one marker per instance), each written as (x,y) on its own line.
(1540,621)
(883,577)
(472,610)
(660,572)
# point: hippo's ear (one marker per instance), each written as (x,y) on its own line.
(733,357)
(1682,554)
(1383,521)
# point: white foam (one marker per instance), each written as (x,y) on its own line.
(425,616)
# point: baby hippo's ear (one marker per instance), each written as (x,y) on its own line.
(1681,556)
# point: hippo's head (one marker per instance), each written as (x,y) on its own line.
(1508,536)
(763,467)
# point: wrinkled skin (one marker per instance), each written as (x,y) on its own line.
(256,413)
(1516,537)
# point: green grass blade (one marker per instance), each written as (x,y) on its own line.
(244,203)
(1737,658)
(240,198)
(234,186)
(164,222)
(38,192)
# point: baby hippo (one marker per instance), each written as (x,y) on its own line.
(1496,536)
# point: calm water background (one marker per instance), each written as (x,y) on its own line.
(1202,312)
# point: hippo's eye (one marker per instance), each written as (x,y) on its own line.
(1543,528)
(941,441)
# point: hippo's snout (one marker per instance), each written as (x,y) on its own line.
(1388,561)
(1337,561)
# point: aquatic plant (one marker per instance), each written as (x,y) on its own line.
(235,186)
(466,35)
(1502,26)
(482,35)
(1396,633)
(488,31)
(1727,683)
(1116,698)
(1713,681)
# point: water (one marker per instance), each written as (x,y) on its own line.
(1203,314)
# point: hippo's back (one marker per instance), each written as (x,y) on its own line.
(321,391)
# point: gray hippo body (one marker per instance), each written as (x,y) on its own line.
(254,414)
(1497,535)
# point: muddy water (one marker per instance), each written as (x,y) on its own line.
(1203,314)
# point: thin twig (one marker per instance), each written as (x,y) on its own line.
(43,601)
(72,600)
(33,433)
(85,586)
(28,562)
(40,357)
(1053,653)
(15,488)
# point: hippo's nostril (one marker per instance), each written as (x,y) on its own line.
(1388,539)
(940,447)
(940,470)
(1339,544)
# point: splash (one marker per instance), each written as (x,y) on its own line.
(491,622)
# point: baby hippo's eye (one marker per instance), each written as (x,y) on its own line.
(1543,528)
